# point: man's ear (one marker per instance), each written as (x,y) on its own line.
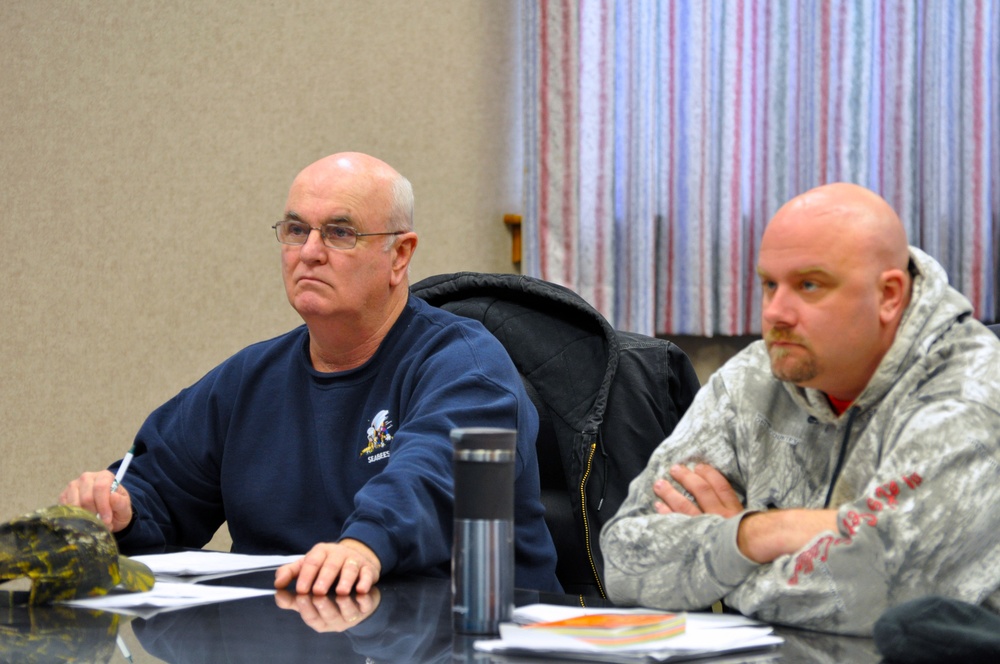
(894,291)
(402,252)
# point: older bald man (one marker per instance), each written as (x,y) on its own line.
(333,440)
(844,464)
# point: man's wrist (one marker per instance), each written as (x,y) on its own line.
(752,531)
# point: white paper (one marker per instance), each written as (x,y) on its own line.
(166,596)
(209,564)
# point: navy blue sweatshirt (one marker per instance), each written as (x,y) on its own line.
(290,457)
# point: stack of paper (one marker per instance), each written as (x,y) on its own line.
(703,634)
(616,630)
(177,587)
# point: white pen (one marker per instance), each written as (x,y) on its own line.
(122,468)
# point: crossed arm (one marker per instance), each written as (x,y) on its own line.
(762,536)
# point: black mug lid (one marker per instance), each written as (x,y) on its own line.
(484,438)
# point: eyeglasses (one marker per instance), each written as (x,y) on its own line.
(334,236)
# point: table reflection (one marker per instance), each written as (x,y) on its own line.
(51,634)
(330,613)
(805,647)
(402,620)
(400,623)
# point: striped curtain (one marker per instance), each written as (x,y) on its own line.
(660,136)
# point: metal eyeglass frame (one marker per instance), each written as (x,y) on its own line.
(324,234)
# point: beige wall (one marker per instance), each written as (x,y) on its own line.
(147,148)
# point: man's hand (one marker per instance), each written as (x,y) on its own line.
(324,614)
(92,492)
(352,564)
(711,491)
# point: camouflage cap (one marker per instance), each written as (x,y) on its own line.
(68,553)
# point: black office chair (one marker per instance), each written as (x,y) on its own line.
(605,400)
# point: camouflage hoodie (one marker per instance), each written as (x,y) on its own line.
(917,493)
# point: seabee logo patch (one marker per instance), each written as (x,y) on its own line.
(378,437)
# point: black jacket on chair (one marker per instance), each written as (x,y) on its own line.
(605,399)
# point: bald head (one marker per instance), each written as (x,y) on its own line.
(369,180)
(850,217)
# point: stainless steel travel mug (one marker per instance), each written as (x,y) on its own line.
(482,559)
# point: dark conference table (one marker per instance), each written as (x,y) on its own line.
(408,620)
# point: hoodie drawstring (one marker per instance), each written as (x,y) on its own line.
(841,455)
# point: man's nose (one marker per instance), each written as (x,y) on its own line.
(313,248)
(779,308)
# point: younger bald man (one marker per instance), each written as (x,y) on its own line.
(846,463)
